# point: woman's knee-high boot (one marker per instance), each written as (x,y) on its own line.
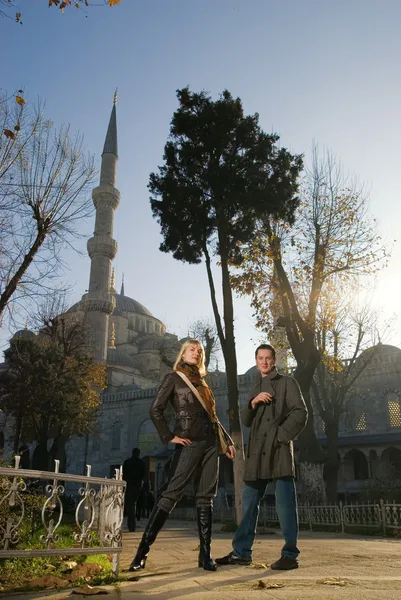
(153,526)
(204,518)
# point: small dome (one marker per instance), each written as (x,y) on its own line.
(118,357)
(24,333)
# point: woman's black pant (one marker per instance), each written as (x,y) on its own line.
(199,462)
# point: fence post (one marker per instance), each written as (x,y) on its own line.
(383,515)
(115,565)
(310,517)
(341,516)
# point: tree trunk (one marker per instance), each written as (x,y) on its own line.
(311,455)
(332,463)
(230,358)
(227,342)
(26,263)
(40,457)
(58,451)
(309,446)
(17,434)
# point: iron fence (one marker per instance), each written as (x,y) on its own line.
(99,512)
(384,517)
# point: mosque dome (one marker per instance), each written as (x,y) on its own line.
(123,304)
(24,334)
(127,304)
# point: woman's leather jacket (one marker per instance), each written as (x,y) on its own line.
(191,419)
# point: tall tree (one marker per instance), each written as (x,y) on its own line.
(221,175)
(334,239)
(51,387)
(45,176)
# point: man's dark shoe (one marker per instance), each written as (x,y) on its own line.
(231,559)
(285,563)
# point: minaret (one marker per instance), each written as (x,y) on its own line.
(99,302)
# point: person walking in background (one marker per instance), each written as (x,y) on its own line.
(134,474)
(276,413)
(198,437)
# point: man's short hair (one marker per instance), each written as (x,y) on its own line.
(265,347)
(136,452)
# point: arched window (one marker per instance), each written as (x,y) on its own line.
(356,465)
(394,410)
(116,436)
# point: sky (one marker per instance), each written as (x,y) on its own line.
(315,70)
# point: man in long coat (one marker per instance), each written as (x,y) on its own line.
(276,413)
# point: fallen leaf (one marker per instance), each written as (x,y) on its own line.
(262,585)
(256,565)
(48,581)
(50,567)
(87,590)
(197,548)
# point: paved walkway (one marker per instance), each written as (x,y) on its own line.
(332,567)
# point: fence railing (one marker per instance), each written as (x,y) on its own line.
(98,513)
(382,517)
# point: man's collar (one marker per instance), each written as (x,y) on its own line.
(274,373)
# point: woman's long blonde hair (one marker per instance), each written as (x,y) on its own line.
(201,363)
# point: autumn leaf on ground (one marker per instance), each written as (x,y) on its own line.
(256,565)
(263,585)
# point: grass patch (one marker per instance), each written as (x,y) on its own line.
(17,573)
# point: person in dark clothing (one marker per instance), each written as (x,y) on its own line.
(198,437)
(276,413)
(133,474)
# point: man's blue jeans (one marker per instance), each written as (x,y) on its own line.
(286,507)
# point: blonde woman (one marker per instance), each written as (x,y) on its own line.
(197,437)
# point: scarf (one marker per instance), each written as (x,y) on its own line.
(192,372)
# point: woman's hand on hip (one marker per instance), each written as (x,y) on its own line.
(183,441)
(230,452)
